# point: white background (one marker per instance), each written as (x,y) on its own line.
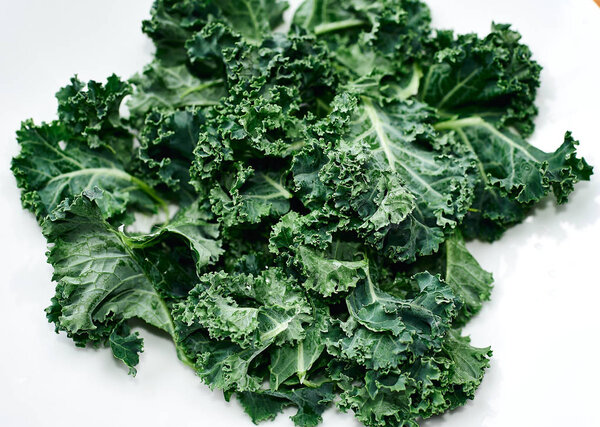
(542,321)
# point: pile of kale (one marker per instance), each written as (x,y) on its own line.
(312,192)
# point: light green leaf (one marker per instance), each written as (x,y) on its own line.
(329,274)
(250,311)
(298,358)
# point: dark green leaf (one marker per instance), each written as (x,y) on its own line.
(126,346)
(100,279)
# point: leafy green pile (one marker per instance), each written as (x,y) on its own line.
(313,191)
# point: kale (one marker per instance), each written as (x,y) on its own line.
(311,194)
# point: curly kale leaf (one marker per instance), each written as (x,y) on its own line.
(310,401)
(55,164)
(262,120)
(170,87)
(92,111)
(461,271)
(426,317)
(274,90)
(173,22)
(420,390)
(494,77)
(190,223)
(126,346)
(220,364)
(166,148)
(512,174)
(100,279)
(331,272)
(103,277)
(228,322)
(408,194)
(253,18)
(247,196)
(250,311)
(376,43)
(298,358)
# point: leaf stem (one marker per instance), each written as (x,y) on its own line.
(338,25)
(201,87)
(119,174)
(284,192)
(315,384)
(459,123)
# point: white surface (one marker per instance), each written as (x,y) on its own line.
(542,321)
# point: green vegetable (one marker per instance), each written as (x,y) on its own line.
(311,194)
